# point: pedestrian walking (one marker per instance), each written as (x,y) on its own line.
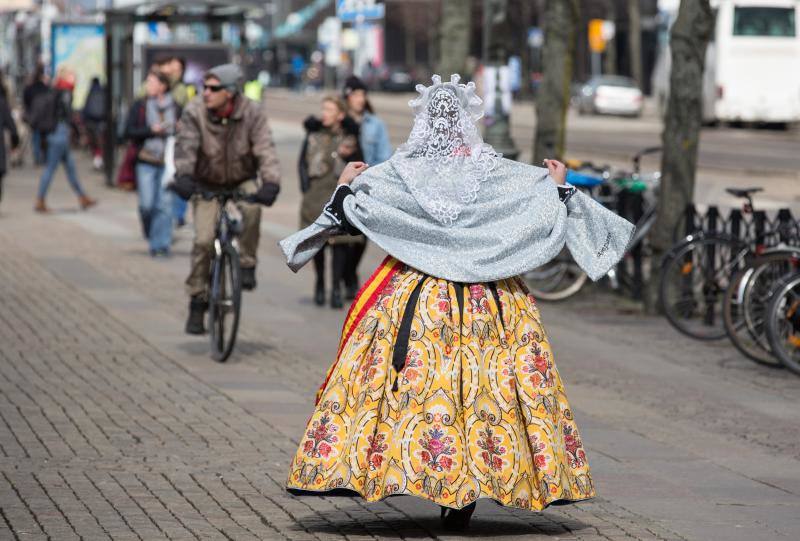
(445,385)
(151,121)
(175,68)
(224,143)
(330,143)
(53,117)
(35,88)
(376,148)
(7,124)
(94,119)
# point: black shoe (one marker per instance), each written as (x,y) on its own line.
(248,278)
(336,298)
(319,294)
(197,315)
(350,291)
(456,520)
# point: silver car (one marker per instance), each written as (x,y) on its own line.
(611,95)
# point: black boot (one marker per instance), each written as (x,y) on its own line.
(319,270)
(336,297)
(339,262)
(456,520)
(350,289)
(197,313)
(319,293)
(248,278)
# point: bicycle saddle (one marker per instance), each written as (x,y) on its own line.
(743,192)
(583,180)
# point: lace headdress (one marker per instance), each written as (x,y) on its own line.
(445,161)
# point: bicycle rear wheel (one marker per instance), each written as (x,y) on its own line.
(556,280)
(694,278)
(783,323)
(225,302)
(744,308)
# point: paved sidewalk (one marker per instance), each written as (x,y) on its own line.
(115,425)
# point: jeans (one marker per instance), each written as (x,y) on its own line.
(179,209)
(205,213)
(36,143)
(154,206)
(58,151)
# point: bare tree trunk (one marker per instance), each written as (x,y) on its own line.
(410,41)
(610,58)
(455,37)
(681,136)
(432,21)
(561,19)
(525,52)
(635,40)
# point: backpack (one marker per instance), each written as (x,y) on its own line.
(95,106)
(43,111)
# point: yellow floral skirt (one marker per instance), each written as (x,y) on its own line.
(474,408)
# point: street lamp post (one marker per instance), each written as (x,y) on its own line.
(495,55)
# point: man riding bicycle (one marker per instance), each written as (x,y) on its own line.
(223,143)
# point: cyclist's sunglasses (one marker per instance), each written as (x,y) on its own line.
(213,88)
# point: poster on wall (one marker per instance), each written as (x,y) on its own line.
(199,59)
(81,47)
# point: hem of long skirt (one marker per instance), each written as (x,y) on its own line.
(351,493)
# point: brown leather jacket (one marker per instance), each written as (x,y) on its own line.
(225,152)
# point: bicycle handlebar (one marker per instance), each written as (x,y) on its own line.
(637,158)
(226,195)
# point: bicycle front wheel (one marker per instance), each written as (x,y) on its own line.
(745,305)
(557,280)
(783,323)
(694,278)
(224,303)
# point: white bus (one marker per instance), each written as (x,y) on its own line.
(752,71)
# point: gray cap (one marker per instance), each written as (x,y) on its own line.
(230,76)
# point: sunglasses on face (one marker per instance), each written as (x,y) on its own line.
(213,88)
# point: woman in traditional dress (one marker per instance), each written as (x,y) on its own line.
(445,385)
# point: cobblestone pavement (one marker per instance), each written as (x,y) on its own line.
(114,425)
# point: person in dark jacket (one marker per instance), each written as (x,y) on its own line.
(331,142)
(94,118)
(374,142)
(150,122)
(7,124)
(36,87)
(58,150)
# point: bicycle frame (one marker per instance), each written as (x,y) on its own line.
(227,230)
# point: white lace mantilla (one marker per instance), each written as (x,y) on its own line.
(445,161)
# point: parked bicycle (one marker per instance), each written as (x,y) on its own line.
(697,272)
(744,306)
(783,322)
(633,195)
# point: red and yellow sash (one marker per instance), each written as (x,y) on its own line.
(364,300)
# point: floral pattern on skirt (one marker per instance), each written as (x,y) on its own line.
(479,410)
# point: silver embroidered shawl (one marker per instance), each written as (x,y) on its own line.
(449,206)
(515,224)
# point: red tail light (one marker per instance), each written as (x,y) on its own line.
(720,92)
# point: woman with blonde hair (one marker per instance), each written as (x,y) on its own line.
(329,145)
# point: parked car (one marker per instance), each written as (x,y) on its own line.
(610,94)
(397,79)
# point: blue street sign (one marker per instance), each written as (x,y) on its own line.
(349,11)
